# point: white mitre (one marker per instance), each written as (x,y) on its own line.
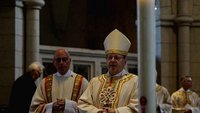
(116,42)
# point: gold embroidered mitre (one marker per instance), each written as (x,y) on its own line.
(116,42)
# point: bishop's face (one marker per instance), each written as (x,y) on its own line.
(115,63)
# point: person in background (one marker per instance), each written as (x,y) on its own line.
(163,99)
(24,88)
(185,100)
(116,90)
(59,92)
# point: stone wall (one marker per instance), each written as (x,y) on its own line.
(11,46)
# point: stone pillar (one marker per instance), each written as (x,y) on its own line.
(11,46)
(183,21)
(32,35)
(146,55)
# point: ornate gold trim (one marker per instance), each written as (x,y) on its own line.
(114,82)
(116,51)
(77,86)
(40,109)
(119,88)
(48,87)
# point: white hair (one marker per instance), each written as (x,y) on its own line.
(35,66)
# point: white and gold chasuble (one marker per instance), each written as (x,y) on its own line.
(119,92)
(55,87)
(182,99)
(163,99)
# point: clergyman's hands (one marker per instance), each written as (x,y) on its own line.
(59,105)
(107,110)
(188,111)
(111,110)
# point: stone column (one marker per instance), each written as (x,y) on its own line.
(32,30)
(183,21)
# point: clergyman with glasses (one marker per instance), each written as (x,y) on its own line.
(59,92)
(116,90)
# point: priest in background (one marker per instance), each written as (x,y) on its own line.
(185,100)
(163,99)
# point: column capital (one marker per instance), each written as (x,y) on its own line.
(184,20)
(34,3)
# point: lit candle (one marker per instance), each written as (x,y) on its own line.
(146,55)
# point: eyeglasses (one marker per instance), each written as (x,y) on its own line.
(187,81)
(64,59)
(118,58)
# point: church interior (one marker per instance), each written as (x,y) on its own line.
(31,30)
